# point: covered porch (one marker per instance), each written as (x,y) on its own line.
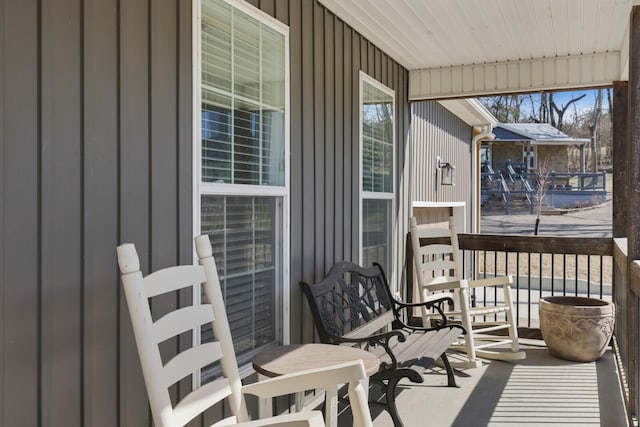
(100,133)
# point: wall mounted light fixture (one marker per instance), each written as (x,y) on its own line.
(447,173)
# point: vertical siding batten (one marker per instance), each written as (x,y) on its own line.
(134,194)
(319,140)
(184,155)
(19,213)
(296,190)
(356,62)
(163,143)
(329,138)
(100,212)
(339,183)
(61,184)
(347,142)
(308,160)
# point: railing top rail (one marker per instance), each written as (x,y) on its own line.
(537,244)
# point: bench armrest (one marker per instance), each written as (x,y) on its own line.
(432,303)
(435,303)
(381,338)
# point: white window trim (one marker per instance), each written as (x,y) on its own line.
(200,188)
(364,77)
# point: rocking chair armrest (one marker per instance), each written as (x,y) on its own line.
(445,286)
(491,281)
(344,373)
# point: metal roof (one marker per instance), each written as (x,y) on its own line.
(470,47)
(535,133)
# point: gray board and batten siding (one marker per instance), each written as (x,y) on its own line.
(436,132)
(96,149)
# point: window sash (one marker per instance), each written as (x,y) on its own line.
(246,234)
(376,232)
(269,101)
(244,93)
(377,172)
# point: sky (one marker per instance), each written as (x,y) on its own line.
(586,103)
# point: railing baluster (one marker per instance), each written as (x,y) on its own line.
(506,266)
(588,276)
(484,290)
(540,276)
(529,290)
(576,288)
(518,288)
(495,289)
(564,274)
(553,272)
(601,281)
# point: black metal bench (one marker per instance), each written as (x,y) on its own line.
(354,305)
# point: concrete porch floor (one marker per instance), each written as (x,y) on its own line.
(538,391)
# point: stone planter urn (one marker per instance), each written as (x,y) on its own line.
(576,328)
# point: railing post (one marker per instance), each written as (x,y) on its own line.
(620,144)
(622,295)
(633,206)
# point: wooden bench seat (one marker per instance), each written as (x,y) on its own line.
(353,305)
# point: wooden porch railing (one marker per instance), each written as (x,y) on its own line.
(541,265)
(626,293)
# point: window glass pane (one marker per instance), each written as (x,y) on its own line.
(246,156)
(243,91)
(216,44)
(272,166)
(246,56)
(376,233)
(273,61)
(243,233)
(216,137)
(377,140)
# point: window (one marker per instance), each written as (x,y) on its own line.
(529,157)
(377,136)
(242,189)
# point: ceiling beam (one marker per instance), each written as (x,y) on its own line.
(526,75)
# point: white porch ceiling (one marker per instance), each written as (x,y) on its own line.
(456,48)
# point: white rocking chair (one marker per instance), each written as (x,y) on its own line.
(439,269)
(160,377)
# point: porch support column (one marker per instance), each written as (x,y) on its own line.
(620,144)
(633,206)
(633,153)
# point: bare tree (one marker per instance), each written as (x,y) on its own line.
(557,121)
(593,127)
(547,110)
(505,108)
(543,177)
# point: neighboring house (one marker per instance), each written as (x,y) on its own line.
(532,144)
